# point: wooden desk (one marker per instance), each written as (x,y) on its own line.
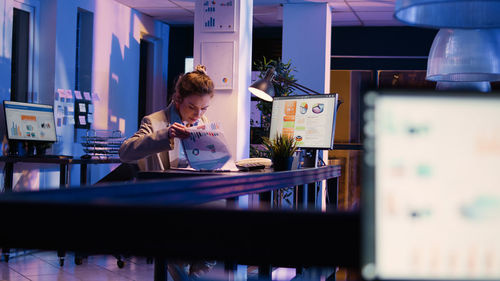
(140,211)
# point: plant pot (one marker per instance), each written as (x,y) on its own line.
(282,163)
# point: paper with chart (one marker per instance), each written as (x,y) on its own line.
(206,147)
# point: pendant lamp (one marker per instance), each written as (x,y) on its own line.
(449,13)
(482,86)
(467,55)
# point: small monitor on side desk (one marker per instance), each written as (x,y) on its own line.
(309,119)
(431,186)
(31,124)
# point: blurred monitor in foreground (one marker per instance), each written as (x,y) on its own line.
(431,193)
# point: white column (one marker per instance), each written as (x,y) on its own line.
(231,104)
(306,43)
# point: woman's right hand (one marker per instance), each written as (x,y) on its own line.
(177,130)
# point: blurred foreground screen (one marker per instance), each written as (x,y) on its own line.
(431,186)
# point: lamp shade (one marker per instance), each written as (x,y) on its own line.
(482,86)
(468,55)
(264,88)
(449,13)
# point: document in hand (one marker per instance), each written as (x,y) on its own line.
(206,148)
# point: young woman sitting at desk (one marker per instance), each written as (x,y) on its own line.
(157,140)
(155,146)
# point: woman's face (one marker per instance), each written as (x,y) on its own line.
(193,107)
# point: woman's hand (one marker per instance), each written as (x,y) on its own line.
(177,130)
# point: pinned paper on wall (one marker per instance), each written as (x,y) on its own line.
(69,94)
(60,94)
(86,95)
(78,95)
(95,97)
(90,118)
(71,108)
(81,107)
(91,108)
(71,120)
(81,119)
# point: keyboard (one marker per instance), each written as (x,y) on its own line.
(253,163)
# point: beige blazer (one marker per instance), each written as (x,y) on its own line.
(149,146)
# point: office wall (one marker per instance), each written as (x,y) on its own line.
(115,72)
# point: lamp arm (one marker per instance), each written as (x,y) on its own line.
(296,85)
(303,88)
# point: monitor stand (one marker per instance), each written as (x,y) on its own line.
(306,194)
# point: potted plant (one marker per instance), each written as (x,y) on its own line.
(281,88)
(281,150)
(284,71)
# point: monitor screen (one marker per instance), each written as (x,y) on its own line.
(310,119)
(431,189)
(29,121)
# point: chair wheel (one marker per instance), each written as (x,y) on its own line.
(61,261)
(120,263)
(78,260)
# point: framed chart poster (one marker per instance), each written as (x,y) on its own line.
(218,16)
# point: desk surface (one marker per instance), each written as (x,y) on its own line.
(55,160)
(192,190)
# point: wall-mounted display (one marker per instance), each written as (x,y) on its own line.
(218,16)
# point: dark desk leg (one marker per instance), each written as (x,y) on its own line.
(83,174)
(63,175)
(7,185)
(230,269)
(265,199)
(265,272)
(160,269)
(63,183)
(232,202)
(333,192)
(8,176)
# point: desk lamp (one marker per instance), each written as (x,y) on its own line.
(264,88)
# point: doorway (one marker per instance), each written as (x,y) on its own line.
(151,96)
(22,53)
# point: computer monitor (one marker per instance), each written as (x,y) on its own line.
(431,194)
(29,122)
(309,119)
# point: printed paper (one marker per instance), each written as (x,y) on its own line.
(206,148)
(86,95)
(78,95)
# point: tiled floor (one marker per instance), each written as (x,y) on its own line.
(44,266)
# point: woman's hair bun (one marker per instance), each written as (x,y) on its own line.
(201,69)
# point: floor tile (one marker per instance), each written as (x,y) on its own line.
(7,274)
(55,277)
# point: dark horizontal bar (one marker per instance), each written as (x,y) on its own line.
(377,57)
(347,146)
(281,238)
